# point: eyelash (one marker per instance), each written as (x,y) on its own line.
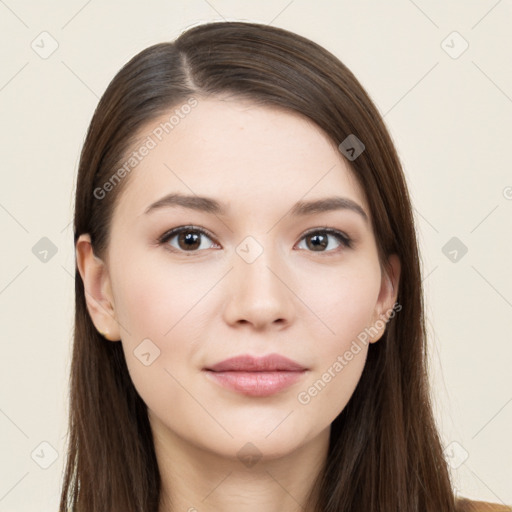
(344,240)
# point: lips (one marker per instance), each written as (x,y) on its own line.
(256,376)
(247,363)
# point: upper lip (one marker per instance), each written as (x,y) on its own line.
(248,363)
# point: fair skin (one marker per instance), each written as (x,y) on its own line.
(200,306)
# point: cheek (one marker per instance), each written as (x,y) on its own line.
(345,306)
(343,302)
(157,302)
(329,390)
(160,311)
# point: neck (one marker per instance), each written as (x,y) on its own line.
(194,479)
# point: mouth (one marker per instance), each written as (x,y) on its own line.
(254,376)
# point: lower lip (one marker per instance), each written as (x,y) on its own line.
(256,383)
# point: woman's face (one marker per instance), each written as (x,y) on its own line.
(265,277)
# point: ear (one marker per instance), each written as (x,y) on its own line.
(98,291)
(387,297)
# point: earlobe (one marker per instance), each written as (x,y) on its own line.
(98,292)
(387,296)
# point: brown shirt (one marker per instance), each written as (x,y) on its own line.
(467,505)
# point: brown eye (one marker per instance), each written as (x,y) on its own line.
(319,240)
(188,239)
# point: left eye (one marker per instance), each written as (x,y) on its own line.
(319,239)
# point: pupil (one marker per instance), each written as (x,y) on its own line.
(322,244)
(190,239)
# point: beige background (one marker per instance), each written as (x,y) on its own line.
(450,118)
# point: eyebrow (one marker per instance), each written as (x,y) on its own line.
(299,209)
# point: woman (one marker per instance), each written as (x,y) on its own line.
(249,321)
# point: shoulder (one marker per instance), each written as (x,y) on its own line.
(467,505)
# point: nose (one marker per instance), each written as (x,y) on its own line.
(259,294)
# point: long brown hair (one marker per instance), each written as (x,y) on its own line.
(385,452)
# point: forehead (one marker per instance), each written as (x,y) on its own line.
(245,155)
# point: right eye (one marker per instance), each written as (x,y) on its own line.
(188,239)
